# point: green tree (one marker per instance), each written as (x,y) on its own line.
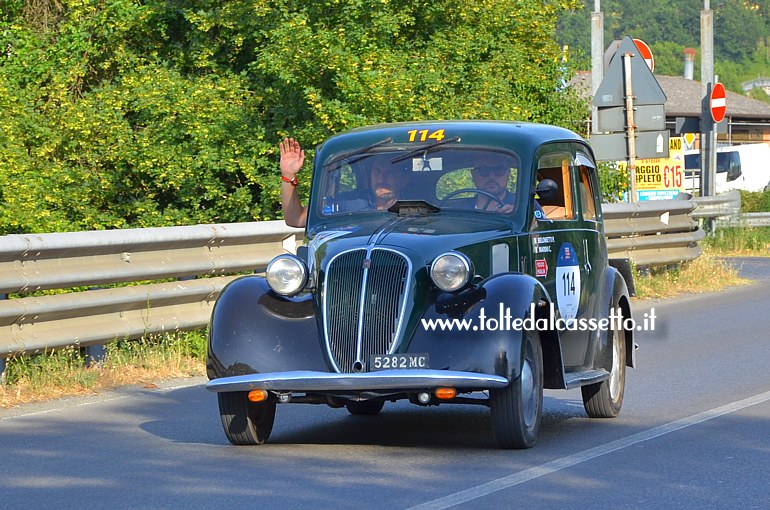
(129,113)
(738,27)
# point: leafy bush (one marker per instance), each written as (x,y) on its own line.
(614,181)
(755,201)
(136,113)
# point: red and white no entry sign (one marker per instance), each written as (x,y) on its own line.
(718,103)
(646,53)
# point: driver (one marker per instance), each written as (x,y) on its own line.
(491,174)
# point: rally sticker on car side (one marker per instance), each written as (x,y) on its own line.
(567,282)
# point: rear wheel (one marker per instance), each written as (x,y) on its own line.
(245,422)
(365,408)
(517,408)
(604,399)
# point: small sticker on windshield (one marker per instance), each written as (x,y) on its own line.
(427,164)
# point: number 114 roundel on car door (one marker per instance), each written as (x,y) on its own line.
(567,282)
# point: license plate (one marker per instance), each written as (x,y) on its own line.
(397,361)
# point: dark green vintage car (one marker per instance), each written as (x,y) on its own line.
(446,262)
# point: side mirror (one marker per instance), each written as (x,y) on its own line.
(734,170)
(546,189)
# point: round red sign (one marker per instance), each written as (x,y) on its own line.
(718,103)
(646,53)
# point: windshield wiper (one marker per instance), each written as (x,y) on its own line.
(425,149)
(355,152)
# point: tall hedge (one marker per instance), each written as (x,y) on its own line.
(128,113)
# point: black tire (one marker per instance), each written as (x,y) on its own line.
(604,399)
(517,409)
(365,408)
(244,422)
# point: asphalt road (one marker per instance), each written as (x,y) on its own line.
(694,432)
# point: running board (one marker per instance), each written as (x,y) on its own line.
(577,379)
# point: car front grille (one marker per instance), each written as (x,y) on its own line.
(363,305)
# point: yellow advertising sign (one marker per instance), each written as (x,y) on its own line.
(660,178)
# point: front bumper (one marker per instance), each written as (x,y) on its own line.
(320,382)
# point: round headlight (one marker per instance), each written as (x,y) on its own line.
(286,275)
(451,271)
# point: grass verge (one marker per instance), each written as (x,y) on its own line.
(64,372)
(707,273)
(739,241)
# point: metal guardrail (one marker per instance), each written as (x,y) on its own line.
(655,232)
(36,262)
(726,209)
(717,206)
(751,220)
(205,257)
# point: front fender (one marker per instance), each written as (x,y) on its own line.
(254,330)
(478,335)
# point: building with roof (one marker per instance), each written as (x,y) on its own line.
(747,120)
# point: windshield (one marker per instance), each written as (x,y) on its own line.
(450,178)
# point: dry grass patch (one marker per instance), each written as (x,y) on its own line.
(707,273)
(64,372)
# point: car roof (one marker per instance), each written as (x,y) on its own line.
(521,137)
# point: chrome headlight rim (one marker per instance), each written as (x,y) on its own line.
(281,280)
(451,284)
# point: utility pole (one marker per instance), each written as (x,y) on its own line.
(597,58)
(708,127)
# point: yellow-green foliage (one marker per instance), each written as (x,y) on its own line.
(134,113)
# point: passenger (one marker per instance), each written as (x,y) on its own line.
(292,159)
(386,184)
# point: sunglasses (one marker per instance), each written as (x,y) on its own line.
(486,171)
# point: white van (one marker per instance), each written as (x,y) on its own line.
(745,167)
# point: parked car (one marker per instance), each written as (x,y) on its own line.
(745,167)
(459,292)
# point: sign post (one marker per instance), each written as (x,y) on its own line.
(631,127)
(630,119)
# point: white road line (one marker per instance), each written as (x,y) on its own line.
(586,455)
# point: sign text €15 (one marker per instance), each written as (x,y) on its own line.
(660,178)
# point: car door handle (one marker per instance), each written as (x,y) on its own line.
(586,263)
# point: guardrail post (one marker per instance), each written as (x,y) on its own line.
(94,354)
(3,361)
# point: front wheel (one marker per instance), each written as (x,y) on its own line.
(517,409)
(604,399)
(245,422)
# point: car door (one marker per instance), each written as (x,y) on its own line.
(563,241)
